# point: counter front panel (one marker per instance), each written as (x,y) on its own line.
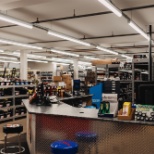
(113,137)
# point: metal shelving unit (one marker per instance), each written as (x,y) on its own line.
(5,119)
(140,65)
(106,70)
(45,76)
(20,116)
(14,97)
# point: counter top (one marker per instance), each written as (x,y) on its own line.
(63,109)
(73,97)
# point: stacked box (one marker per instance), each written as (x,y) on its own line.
(68,81)
(57,78)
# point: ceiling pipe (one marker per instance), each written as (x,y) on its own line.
(90,38)
(84,15)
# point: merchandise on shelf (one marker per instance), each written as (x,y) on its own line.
(144,113)
(11,98)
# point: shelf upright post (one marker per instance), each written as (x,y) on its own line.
(107,71)
(14,106)
(133,84)
(95,75)
(150,53)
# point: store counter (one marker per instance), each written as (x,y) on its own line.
(75,100)
(45,124)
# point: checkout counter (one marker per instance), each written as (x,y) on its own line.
(45,124)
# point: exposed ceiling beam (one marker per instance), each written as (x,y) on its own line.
(84,15)
(91,38)
(131,47)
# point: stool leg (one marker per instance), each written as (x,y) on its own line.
(19,143)
(89,148)
(5,142)
(96,148)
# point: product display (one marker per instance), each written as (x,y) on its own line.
(11,95)
(126,109)
(104,107)
(144,113)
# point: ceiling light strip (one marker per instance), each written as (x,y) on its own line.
(91,58)
(69,38)
(9,61)
(8,58)
(106,50)
(20,44)
(83,63)
(139,30)
(15,21)
(61,60)
(64,53)
(128,57)
(111,7)
(61,63)
(38,61)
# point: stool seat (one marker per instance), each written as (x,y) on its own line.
(86,136)
(12,128)
(64,146)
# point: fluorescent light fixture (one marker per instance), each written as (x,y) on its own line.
(111,7)
(38,61)
(6,53)
(1,50)
(91,58)
(19,44)
(139,30)
(69,38)
(61,63)
(83,63)
(126,57)
(61,60)
(4,57)
(64,53)
(36,56)
(30,56)
(107,50)
(15,21)
(9,61)
(16,53)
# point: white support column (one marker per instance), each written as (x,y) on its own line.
(23,66)
(76,73)
(54,67)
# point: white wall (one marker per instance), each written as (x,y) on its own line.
(42,66)
(13,65)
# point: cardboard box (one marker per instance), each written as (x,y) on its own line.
(67,81)
(66,77)
(122,117)
(68,87)
(57,78)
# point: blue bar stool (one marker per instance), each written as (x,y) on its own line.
(87,139)
(64,147)
(12,129)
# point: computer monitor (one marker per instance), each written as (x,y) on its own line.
(145,94)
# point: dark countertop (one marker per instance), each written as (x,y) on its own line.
(64,109)
(73,97)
